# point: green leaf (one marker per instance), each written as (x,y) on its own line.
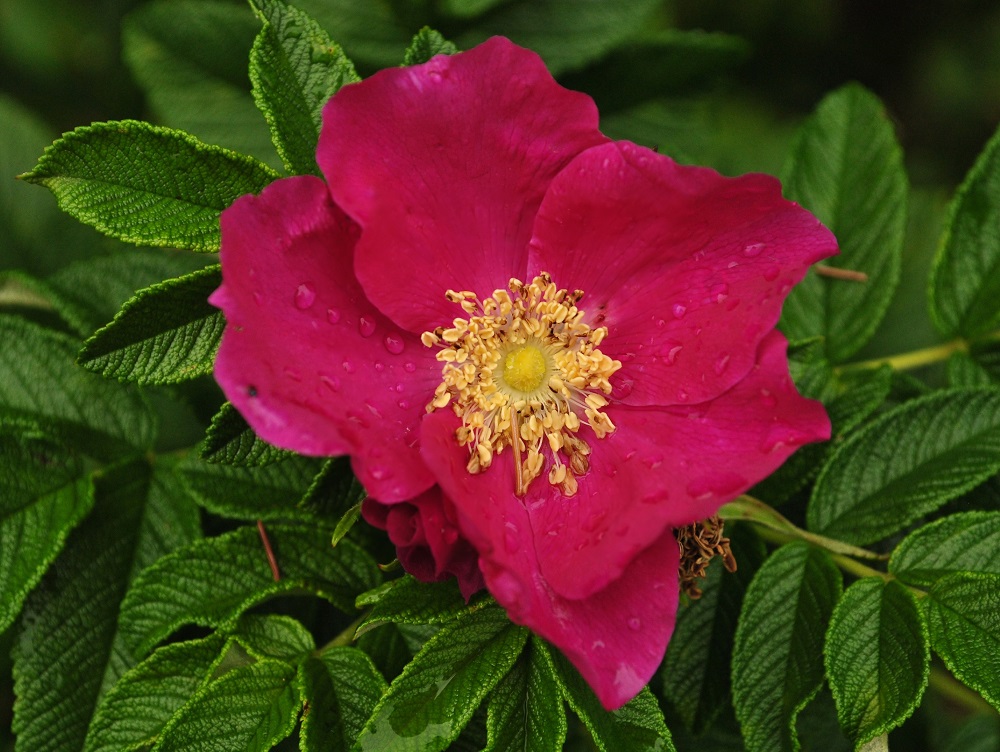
(271,492)
(964,614)
(212,582)
(408,601)
(132,714)
(637,726)
(39,380)
(69,634)
(877,657)
(334,490)
(964,370)
(847,169)
(695,673)
(274,636)
(967,542)
(387,648)
(166,334)
(43,496)
(965,279)
(342,687)
(425,45)
(525,711)
(145,184)
(190,56)
(980,733)
(249,709)
(295,68)
(427,706)
(906,464)
(230,441)
(778,652)
(370,32)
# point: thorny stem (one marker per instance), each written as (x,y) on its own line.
(920,358)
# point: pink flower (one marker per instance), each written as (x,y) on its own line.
(634,354)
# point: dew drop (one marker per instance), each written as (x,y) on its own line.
(679,310)
(721,365)
(330,382)
(409,366)
(379,366)
(292,374)
(682,396)
(653,461)
(767,398)
(720,292)
(333,315)
(622,388)
(510,539)
(258,298)
(366,326)
(399,388)
(404,404)
(672,354)
(349,366)
(394,343)
(771,273)
(379,472)
(752,250)
(305,296)
(373,410)
(634,623)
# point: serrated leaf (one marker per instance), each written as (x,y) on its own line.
(387,648)
(249,709)
(407,600)
(342,687)
(230,441)
(777,663)
(964,616)
(967,542)
(133,712)
(271,492)
(68,634)
(425,45)
(39,380)
(145,184)
(334,490)
(637,726)
(43,496)
(295,68)
(212,582)
(694,676)
(166,334)
(274,636)
(525,711)
(427,706)
(190,56)
(965,278)
(906,464)
(847,169)
(877,658)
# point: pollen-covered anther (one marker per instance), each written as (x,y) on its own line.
(524,372)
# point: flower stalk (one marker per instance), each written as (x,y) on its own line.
(926,356)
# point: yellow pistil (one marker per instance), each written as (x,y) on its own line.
(524,371)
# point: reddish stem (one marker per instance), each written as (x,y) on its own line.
(269,551)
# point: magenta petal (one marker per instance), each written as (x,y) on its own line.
(618,635)
(668,467)
(688,269)
(444,165)
(305,358)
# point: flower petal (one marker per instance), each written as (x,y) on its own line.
(305,358)
(688,269)
(668,467)
(617,636)
(444,165)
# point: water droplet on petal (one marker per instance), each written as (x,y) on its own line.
(753,249)
(679,310)
(653,461)
(634,624)
(379,366)
(380,472)
(672,354)
(721,364)
(682,396)
(305,296)
(373,410)
(767,398)
(720,292)
(258,298)
(409,366)
(394,343)
(366,326)
(349,366)
(330,382)
(400,388)
(292,374)
(510,539)
(771,273)
(622,388)
(333,315)
(404,404)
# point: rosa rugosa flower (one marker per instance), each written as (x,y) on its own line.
(552,348)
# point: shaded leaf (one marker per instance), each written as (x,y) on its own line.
(230,441)
(407,600)
(968,542)
(274,636)
(342,687)
(425,45)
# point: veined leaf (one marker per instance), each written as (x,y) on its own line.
(964,615)
(274,636)
(847,169)
(44,495)
(145,184)
(965,370)
(409,601)
(965,278)
(777,657)
(133,712)
(166,334)
(250,708)
(39,380)
(425,45)
(877,658)
(230,441)
(190,56)
(213,581)
(967,542)
(637,726)
(295,68)
(906,464)
(342,687)
(525,711)
(333,491)
(427,706)
(69,626)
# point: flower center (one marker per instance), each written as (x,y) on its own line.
(524,371)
